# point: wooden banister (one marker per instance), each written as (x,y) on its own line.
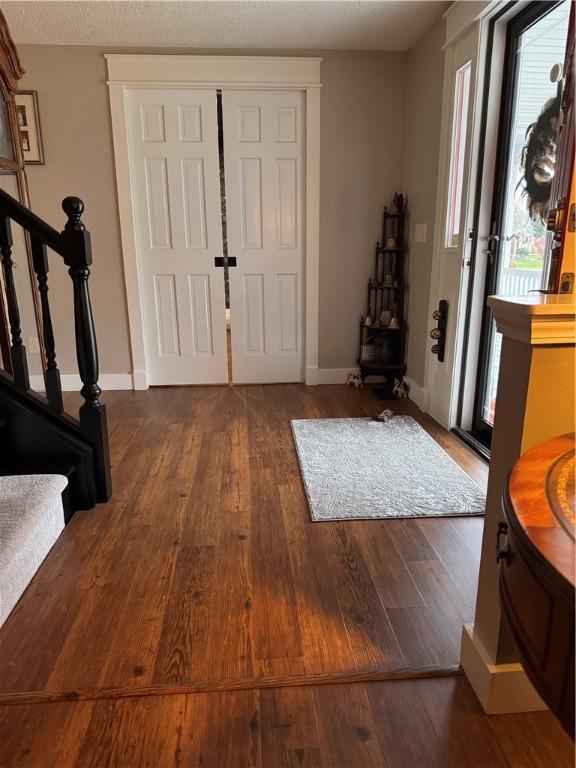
(73,245)
(30,222)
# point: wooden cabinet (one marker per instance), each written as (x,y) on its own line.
(13,181)
(536,551)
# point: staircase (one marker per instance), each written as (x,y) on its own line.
(31,519)
(36,436)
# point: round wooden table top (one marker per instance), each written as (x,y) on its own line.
(541,493)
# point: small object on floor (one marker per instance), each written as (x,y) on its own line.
(384,415)
(355,380)
(400,390)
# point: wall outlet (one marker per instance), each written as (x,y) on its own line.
(33,345)
(420,233)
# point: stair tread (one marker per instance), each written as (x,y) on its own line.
(24,501)
(31,519)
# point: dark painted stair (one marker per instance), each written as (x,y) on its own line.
(36,435)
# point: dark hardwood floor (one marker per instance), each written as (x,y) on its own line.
(403,724)
(191,620)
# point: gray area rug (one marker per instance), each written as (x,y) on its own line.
(360,469)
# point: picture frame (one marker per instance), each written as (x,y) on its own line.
(28,123)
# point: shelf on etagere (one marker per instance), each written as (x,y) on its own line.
(374,365)
(382,328)
(386,297)
(383,286)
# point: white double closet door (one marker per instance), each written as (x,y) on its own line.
(175,180)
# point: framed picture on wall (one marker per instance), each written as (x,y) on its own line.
(28,119)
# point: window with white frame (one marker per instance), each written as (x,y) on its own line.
(457,153)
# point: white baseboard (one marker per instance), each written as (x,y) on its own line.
(417,393)
(339,375)
(439,417)
(328,375)
(500,688)
(71,382)
(140,380)
(311,375)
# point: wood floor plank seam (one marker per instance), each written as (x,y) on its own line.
(19,698)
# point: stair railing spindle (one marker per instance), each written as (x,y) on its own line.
(51,374)
(17,349)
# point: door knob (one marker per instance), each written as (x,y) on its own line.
(555,219)
(439,333)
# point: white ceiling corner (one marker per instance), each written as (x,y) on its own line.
(221,24)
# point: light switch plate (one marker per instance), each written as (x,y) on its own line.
(420,233)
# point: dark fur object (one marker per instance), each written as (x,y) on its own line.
(538,160)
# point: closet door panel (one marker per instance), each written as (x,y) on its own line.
(175,177)
(264,172)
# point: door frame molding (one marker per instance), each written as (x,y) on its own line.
(460,18)
(129,71)
(511,23)
(442,185)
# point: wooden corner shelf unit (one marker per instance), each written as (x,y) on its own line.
(383,329)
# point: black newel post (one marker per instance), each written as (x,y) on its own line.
(78,257)
(17,349)
(51,374)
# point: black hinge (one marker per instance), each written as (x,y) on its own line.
(219,261)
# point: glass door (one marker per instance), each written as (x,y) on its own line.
(519,244)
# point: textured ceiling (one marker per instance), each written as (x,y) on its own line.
(364,25)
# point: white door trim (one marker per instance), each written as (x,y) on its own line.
(247,72)
(460,21)
(460,18)
(454,340)
(441,192)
